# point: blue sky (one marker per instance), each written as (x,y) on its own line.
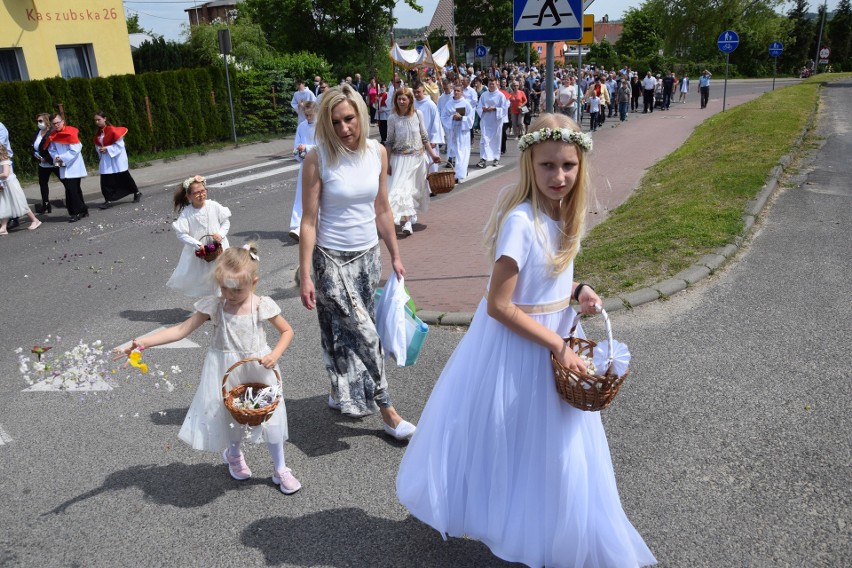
(166,17)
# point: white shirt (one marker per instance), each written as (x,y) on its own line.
(431,119)
(649,83)
(300,97)
(347,200)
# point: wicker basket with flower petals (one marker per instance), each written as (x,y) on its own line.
(588,391)
(210,248)
(232,398)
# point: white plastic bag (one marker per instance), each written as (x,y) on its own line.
(390,319)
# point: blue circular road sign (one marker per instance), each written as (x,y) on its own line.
(775,48)
(481,51)
(728,41)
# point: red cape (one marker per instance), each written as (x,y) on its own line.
(111,134)
(68,135)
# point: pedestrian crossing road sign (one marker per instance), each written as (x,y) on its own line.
(547,20)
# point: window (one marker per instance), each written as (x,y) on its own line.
(12,66)
(75,61)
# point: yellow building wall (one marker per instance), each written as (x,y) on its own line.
(37,27)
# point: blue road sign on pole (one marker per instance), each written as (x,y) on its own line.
(547,20)
(481,51)
(775,49)
(728,41)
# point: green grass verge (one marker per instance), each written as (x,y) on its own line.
(692,201)
(142,160)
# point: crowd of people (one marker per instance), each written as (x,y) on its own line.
(454,105)
(497,455)
(57,149)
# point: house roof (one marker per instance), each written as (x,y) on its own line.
(213,4)
(443,18)
(609,30)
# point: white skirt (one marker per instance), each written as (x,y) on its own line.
(193,276)
(499,457)
(13,201)
(408,190)
(209,426)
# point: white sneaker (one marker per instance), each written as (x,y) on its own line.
(294,234)
(406,229)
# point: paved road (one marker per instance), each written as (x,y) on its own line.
(730,441)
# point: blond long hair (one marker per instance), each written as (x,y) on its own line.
(572,208)
(325,135)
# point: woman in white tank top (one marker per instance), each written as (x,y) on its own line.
(344,175)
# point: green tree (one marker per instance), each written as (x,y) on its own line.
(248,42)
(840,36)
(490,17)
(603,53)
(133,26)
(796,50)
(642,35)
(352,36)
(163,55)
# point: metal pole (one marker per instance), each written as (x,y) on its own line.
(230,100)
(725,90)
(774,69)
(549,77)
(528,58)
(580,92)
(819,38)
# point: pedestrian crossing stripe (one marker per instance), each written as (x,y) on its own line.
(4,437)
(547,15)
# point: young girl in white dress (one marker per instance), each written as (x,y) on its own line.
(302,145)
(199,218)
(497,455)
(13,201)
(238,333)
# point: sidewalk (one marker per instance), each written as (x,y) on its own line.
(166,174)
(447,270)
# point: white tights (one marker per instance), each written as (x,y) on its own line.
(276,452)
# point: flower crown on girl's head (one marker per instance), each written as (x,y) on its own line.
(194,179)
(581,139)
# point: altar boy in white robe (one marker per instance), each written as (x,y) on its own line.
(457,119)
(493,107)
(300,97)
(445,97)
(431,119)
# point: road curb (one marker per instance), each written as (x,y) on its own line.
(691,276)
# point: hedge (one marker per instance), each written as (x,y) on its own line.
(188,107)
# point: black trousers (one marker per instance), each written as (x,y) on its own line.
(648,100)
(705,96)
(43,182)
(503,136)
(74,197)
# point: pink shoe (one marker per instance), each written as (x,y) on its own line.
(236,466)
(34,225)
(286,481)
